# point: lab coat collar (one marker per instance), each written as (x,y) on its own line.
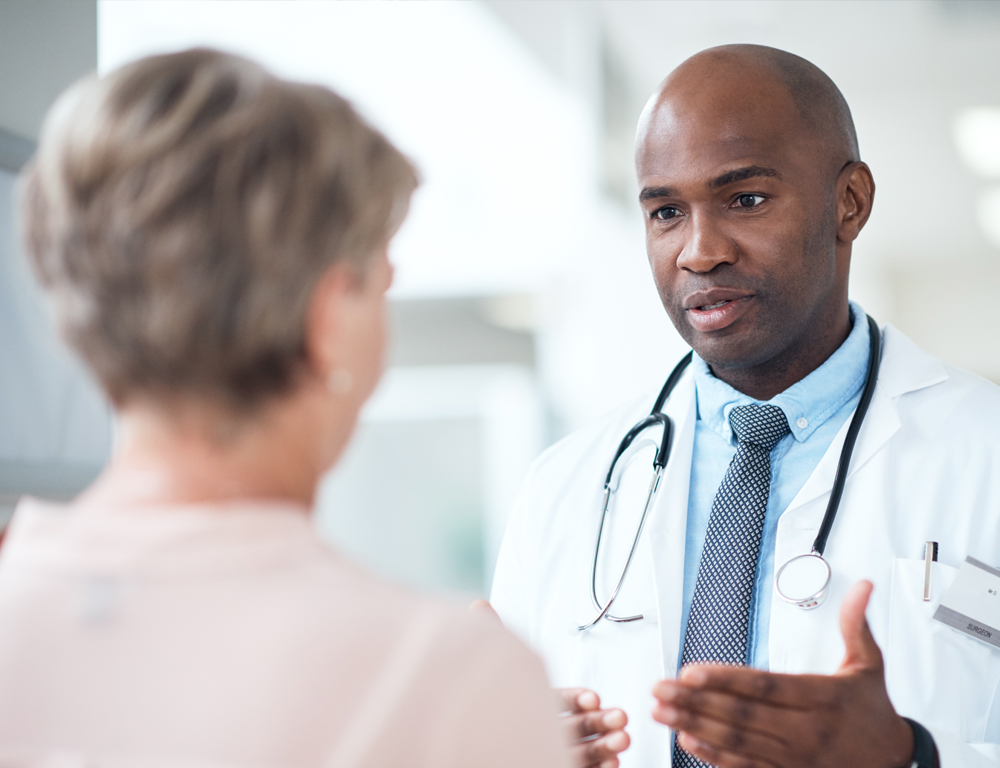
(905,366)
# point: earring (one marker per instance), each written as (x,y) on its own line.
(340,381)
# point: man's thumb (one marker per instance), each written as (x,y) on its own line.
(861,649)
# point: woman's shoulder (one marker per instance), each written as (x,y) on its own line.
(457,689)
(348,593)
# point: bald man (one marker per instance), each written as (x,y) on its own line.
(753,192)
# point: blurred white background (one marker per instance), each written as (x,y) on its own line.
(523,305)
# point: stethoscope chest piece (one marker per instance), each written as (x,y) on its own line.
(804,581)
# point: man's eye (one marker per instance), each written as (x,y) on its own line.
(665,213)
(749,201)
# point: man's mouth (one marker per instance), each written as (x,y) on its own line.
(707,312)
(707,307)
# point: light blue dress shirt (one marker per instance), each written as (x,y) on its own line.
(816,408)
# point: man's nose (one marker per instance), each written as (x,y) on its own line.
(707,245)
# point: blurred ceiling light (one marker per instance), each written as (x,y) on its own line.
(977,137)
(988,215)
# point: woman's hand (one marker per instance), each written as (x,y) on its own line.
(597,735)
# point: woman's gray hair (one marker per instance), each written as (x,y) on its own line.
(181,210)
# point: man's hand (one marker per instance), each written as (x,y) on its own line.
(597,735)
(741,717)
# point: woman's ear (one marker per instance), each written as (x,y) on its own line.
(327,320)
(855,193)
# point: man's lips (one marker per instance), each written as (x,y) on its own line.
(716,309)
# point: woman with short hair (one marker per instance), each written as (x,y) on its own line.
(213,240)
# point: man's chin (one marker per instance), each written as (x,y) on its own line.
(733,351)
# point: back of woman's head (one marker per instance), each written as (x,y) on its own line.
(181,210)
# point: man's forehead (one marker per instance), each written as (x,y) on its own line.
(671,153)
(679,133)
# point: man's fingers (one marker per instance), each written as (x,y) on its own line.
(726,736)
(796,691)
(577,700)
(862,652)
(723,708)
(598,752)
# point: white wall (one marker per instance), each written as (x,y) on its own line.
(44,46)
(55,428)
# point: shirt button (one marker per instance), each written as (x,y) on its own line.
(802,422)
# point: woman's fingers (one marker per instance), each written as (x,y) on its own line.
(600,752)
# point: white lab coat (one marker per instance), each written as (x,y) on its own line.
(926,467)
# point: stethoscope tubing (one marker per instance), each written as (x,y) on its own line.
(844,465)
(663,455)
(654,485)
(659,464)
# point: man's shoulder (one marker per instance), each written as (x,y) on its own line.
(583,442)
(921,385)
(964,386)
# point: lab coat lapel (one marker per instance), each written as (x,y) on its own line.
(880,424)
(668,526)
(796,533)
(905,368)
(809,641)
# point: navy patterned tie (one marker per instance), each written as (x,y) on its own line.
(719,622)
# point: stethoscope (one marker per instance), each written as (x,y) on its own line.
(804,581)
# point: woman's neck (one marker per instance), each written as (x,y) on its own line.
(189,453)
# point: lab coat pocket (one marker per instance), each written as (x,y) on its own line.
(935,674)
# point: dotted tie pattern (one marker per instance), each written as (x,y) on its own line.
(718,625)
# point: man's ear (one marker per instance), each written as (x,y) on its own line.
(855,195)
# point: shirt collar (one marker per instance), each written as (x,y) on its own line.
(807,403)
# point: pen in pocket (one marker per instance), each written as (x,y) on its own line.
(930,555)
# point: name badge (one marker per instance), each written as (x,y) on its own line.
(972,603)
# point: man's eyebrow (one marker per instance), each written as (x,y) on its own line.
(742,174)
(652,193)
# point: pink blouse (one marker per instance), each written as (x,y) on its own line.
(232,635)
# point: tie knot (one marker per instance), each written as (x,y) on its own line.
(762,425)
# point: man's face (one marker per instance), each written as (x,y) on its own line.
(740,223)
